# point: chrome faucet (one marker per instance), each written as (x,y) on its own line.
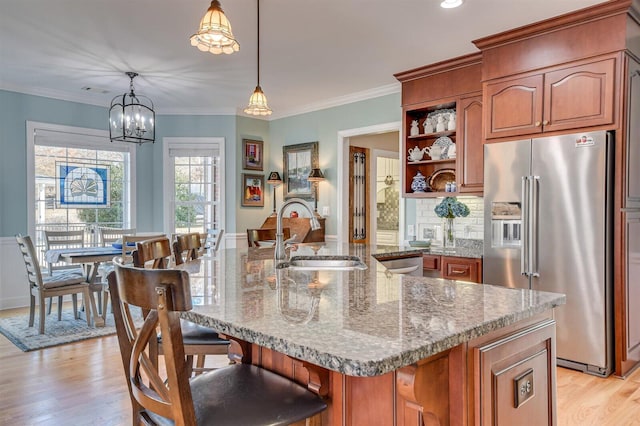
(279,251)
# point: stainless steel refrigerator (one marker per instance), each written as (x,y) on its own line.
(548,206)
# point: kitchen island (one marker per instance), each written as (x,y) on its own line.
(382,348)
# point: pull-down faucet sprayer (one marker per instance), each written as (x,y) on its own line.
(279,249)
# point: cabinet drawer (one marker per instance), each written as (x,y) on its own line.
(430,262)
(458,268)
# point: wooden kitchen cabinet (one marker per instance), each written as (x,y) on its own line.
(452,267)
(627,315)
(455,86)
(470,166)
(578,70)
(517,378)
(462,268)
(574,97)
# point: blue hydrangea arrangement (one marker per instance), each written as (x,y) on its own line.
(450,208)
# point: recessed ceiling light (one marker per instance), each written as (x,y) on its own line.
(449,4)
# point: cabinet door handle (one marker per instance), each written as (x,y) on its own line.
(537,124)
(545,122)
(458,271)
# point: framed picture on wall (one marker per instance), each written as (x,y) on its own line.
(252,190)
(252,155)
(298,161)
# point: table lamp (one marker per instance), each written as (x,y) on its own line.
(315,176)
(275,180)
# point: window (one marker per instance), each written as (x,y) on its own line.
(193,184)
(79,180)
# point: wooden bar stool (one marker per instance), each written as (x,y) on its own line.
(187,247)
(239,394)
(198,341)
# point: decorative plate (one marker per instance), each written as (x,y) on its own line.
(444,143)
(439,178)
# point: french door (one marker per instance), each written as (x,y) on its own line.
(194,188)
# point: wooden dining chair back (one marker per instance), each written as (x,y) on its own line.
(199,341)
(258,237)
(154,253)
(210,241)
(63,240)
(108,236)
(129,244)
(59,285)
(239,394)
(186,247)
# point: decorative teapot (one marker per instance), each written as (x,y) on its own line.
(435,151)
(415,154)
(451,152)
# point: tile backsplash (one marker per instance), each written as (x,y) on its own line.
(470,227)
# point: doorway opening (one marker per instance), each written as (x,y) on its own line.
(381,145)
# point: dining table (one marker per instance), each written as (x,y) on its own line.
(90,258)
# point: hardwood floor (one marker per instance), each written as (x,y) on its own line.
(82,383)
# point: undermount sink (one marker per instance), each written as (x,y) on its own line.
(343,263)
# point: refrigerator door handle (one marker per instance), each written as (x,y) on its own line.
(534,217)
(524,246)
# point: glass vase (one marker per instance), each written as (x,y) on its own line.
(449,233)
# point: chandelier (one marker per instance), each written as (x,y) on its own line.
(131,117)
(258,101)
(214,34)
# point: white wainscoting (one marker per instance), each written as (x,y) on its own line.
(14,291)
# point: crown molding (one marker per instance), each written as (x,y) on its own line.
(341,100)
(100,101)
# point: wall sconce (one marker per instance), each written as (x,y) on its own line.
(315,176)
(275,180)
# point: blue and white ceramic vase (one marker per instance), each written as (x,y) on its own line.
(419,183)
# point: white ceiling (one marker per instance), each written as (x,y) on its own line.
(314,53)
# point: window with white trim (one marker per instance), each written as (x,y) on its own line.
(193,185)
(79,180)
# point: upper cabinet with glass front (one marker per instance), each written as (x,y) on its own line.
(442,128)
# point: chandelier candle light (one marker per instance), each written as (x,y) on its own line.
(258,100)
(214,34)
(131,117)
(449,209)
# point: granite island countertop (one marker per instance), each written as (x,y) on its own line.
(359,323)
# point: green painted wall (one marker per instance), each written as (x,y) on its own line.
(15,110)
(322,126)
(194,126)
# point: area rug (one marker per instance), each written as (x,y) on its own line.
(56,332)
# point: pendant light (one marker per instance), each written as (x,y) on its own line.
(258,101)
(131,117)
(214,34)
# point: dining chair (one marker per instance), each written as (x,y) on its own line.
(210,240)
(62,240)
(71,282)
(128,243)
(258,237)
(198,341)
(186,247)
(109,236)
(238,394)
